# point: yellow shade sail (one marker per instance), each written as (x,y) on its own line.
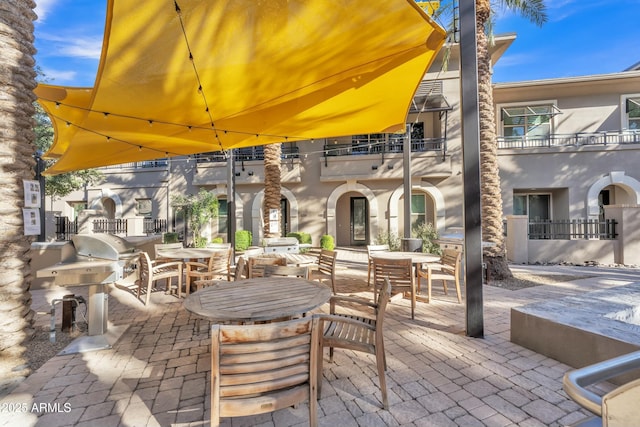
(193,76)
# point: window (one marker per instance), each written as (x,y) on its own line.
(527,121)
(418,210)
(633,113)
(144,207)
(223,215)
(536,206)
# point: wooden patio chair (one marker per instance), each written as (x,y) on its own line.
(448,269)
(286,271)
(325,268)
(217,267)
(358,332)
(262,368)
(152,271)
(372,250)
(239,273)
(256,265)
(401,275)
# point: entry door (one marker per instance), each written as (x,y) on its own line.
(359,225)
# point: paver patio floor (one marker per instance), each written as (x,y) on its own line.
(158,373)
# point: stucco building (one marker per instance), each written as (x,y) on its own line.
(567,148)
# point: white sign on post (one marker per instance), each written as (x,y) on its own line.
(274,224)
(31,210)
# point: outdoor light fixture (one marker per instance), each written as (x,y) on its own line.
(389,167)
(250,173)
(374,167)
(237,173)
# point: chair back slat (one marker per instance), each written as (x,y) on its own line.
(256,265)
(286,271)
(263,368)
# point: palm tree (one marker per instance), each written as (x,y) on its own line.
(491,199)
(272,154)
(17,80)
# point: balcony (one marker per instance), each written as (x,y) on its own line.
(382,158)
(614,137)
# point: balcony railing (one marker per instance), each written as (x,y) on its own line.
(572,139)
(573,229)
(383,145)
(288,151)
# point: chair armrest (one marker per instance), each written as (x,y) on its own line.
(156,265)
(323,317)
(195,264)
(341,299)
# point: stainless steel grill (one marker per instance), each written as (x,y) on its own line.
(281,245)
(94,260)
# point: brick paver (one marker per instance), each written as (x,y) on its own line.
(158,374)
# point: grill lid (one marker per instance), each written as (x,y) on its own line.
(105,246)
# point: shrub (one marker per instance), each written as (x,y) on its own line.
(170,238)
(243,240)
(217,240)
(391,239)
(428,234)
(327,242)
(200,242)
(302,237)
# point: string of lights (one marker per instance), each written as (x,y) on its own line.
(326,150)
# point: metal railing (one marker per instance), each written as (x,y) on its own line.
(571,139)
(154,226)
(384,145)
(288,151)
(110,226)
(65,228)
(573,229)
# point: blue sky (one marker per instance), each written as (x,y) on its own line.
(581,37)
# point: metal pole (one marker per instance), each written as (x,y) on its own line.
(231,202)
(406,159)
(471,169)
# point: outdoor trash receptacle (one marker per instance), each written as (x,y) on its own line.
(411,245)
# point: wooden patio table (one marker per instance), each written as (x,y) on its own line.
(261,299)
(188,253)
(417,259)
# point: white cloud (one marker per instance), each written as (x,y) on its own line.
(60,76)
(85,48)
(43,7)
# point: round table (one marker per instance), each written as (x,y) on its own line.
(188,253)
(257,300)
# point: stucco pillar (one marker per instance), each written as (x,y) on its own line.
(135,226)
(518,239)
(628,229)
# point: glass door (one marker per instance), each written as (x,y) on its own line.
(359,225)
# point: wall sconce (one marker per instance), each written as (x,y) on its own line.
(250,173)
(374,167)
(237,173)
(389,167)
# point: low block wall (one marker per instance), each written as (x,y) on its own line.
(572,251)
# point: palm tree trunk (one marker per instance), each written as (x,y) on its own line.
(491,196)
(17,80)
(272,154)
